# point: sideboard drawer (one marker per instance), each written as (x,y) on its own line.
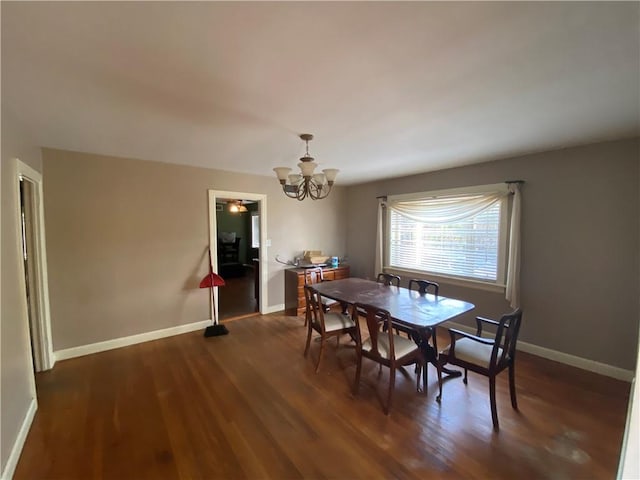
(328,274)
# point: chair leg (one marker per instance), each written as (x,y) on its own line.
(419,368)
(320,354)
(425,375)
(356,386)
(512,385)
(392,382)
(464,380)
(492,398)
(439,371)
(306,348)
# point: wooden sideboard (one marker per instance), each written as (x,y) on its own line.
(294,286)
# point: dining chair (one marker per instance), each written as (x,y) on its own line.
(487,356)
(312,276)
(327,324)
(424,285)
(388,279)
(384,347)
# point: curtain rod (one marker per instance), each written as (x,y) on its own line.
(508,182)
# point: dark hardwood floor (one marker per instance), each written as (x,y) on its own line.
(248,405)
(237,297)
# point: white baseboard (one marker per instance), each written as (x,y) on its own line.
(139,338)
(579,362)
(574,361)
(126,341)
(16,450)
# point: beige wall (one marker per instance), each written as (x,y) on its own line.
(580,250)
(15,360)
(126,241)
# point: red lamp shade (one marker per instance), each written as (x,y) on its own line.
(212,280)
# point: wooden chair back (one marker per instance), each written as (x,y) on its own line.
(375,318)
(314,310)
(424,285)
(328,325)
(388,279)
(313,275)
(506,339)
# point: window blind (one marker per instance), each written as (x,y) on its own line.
(465,248)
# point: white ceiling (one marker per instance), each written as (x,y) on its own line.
(387,89)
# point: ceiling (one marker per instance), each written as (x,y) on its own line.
(387,88)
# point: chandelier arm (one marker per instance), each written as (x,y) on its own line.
(323,192)
(313,189)
(303,189)
(289,194)
(317,191)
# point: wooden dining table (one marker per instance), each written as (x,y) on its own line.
(415,313)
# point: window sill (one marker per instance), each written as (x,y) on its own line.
(460,282)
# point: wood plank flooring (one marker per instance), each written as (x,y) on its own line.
(248,405)
(237,297)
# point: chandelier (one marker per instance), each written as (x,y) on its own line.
(306,184)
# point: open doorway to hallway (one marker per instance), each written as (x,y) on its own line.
(238,227)
(237,241)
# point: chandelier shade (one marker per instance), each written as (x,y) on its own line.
(306,184)
(282,173)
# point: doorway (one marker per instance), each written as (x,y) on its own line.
(32,245)
(237,232)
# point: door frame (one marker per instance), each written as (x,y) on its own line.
(40,327)
(213,195)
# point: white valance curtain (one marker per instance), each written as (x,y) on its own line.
(446,209)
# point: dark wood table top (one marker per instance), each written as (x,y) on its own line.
(406,306)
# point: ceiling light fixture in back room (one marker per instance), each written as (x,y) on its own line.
(236,206)
(306,183)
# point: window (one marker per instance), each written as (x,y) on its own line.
(255,231)
(460,233)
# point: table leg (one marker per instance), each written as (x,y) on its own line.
(431,352)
